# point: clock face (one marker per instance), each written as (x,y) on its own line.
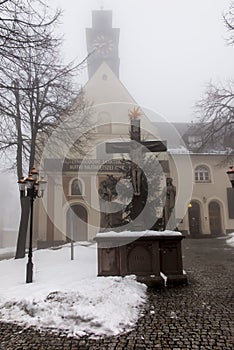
(103,45)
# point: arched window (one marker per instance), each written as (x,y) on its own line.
(76,188)
(202,174)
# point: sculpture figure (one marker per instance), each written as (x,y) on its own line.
(111,214)
(135,148)
(136,171)
(169,212)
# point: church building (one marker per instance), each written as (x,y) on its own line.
(70,208)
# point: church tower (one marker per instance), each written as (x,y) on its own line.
(102,42)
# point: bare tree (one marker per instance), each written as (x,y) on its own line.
(216,123)
(37,93)
(23,24)
(229,23)
(41,95)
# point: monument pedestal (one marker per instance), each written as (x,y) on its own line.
(146,255)
(171,261)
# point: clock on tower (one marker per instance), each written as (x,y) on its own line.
(102,42)
(103,45)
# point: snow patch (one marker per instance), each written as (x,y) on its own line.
(67,296)
(136,234)
(230,239)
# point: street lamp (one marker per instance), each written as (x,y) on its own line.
(32,188)
(230,174)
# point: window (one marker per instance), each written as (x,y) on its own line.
(76,188)
(202,174)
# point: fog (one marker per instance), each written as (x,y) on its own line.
(9,210)
(169,49)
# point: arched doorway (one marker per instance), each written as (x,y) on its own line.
(194,214)
(77,219)
(215,218)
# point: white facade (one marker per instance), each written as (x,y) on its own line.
(201,202)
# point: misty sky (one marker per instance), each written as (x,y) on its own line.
(169,49)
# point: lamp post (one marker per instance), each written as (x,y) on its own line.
(230,174)
(32,188)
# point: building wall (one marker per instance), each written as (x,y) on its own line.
(214,190)
(200,192)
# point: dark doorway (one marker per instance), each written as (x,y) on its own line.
(194,214)
(77,219)
(215,218)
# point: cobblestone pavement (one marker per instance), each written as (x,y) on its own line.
(197,316)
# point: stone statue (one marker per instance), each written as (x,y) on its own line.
(111,214)
(106,190)
(135,151)
(136,171)
(169,212)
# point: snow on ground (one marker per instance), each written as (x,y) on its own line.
(230,239)
(135,234)
(66,295)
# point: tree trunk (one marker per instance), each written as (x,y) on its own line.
(23,228)
(24,201)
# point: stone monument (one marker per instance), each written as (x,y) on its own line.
(149,254)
